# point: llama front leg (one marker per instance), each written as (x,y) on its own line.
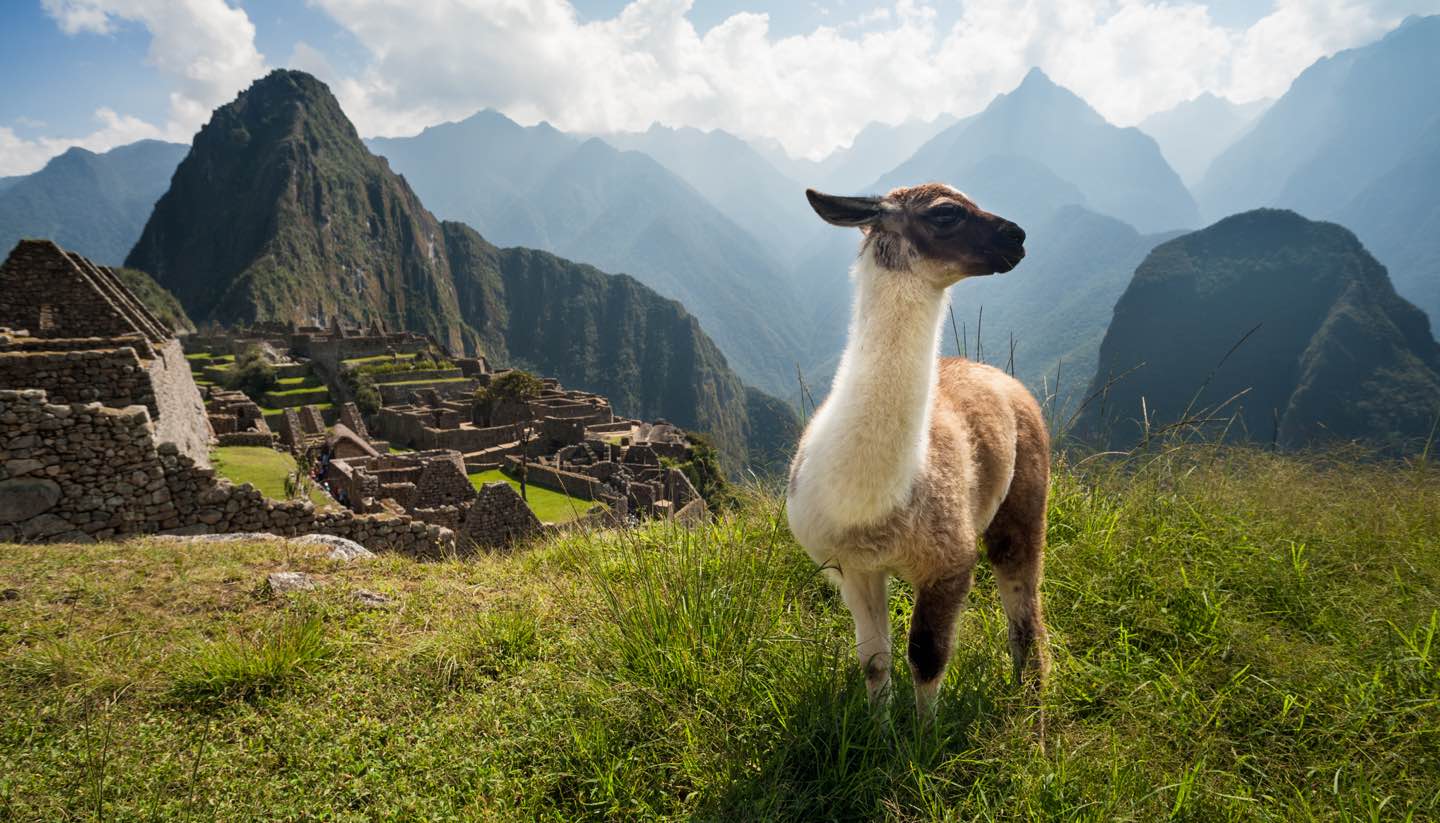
(866,595)
(932,636)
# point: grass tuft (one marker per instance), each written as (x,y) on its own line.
(247,668)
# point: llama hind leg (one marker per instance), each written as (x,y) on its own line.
(932,636)
(1015,548)
(866,595)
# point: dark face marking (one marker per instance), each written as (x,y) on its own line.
(933,223)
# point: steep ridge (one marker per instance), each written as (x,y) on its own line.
(620,211)
(94,204)
(280,213)
(1334,353)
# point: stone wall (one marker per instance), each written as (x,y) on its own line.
(115,377)
(549,477)
(81,472)
(49,295)
(182,418)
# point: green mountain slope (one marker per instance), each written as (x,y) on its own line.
(613,335)
(280,213)
(160,302)
(1336,355)
(94,204)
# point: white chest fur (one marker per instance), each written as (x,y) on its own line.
(861,454)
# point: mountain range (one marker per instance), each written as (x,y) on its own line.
(93,204)
(720,224)
(1273,328)
(1356,139)
(1193,133)
(617,210)
(279,212)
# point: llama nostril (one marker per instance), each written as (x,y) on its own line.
(1014,232)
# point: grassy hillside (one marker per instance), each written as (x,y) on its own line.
(1236,635)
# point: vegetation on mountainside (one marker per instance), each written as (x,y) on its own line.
(611,335)
(160,302)
(1228,644)
(1288,326)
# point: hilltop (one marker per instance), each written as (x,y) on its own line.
(1290,317)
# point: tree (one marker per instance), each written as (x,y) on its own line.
(253,373)
(512,388)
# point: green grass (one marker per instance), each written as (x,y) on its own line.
(427,382)
(377,358)
(266,468)
(550,506)
(1235,636)
(296,389)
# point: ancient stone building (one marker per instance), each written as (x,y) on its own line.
(78,333)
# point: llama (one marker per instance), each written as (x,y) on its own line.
(911,456)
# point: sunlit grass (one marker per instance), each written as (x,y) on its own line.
(1235,636)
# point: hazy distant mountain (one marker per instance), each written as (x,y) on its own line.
(1016,187)
(876,149)
(1120,171)
(733,176)
(1194,133)
(1353,140)
(621,211)
(280,213)
(1398,217)
(1335,354)
(93,204)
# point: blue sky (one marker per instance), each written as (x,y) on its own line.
(810,74)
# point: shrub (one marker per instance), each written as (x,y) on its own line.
(513,386)
(253,373)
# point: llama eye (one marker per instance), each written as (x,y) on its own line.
(945,215)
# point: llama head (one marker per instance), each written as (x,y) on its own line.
(931,230)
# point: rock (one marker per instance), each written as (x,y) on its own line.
(46,525)
(372,600)
(341,548)
(17,468)
(283,582)
(24,498)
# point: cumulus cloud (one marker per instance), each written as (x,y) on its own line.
(536,59)
(21,156)
(204,48)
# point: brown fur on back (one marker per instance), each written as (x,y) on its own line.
(985,430)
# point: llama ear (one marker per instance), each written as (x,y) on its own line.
(844,211)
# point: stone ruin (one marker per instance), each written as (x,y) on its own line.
(103,432)
(237,420)
(77,332)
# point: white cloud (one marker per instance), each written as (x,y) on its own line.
(534,59)
(205,49)
(21,156)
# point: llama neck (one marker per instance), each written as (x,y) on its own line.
(874,429)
